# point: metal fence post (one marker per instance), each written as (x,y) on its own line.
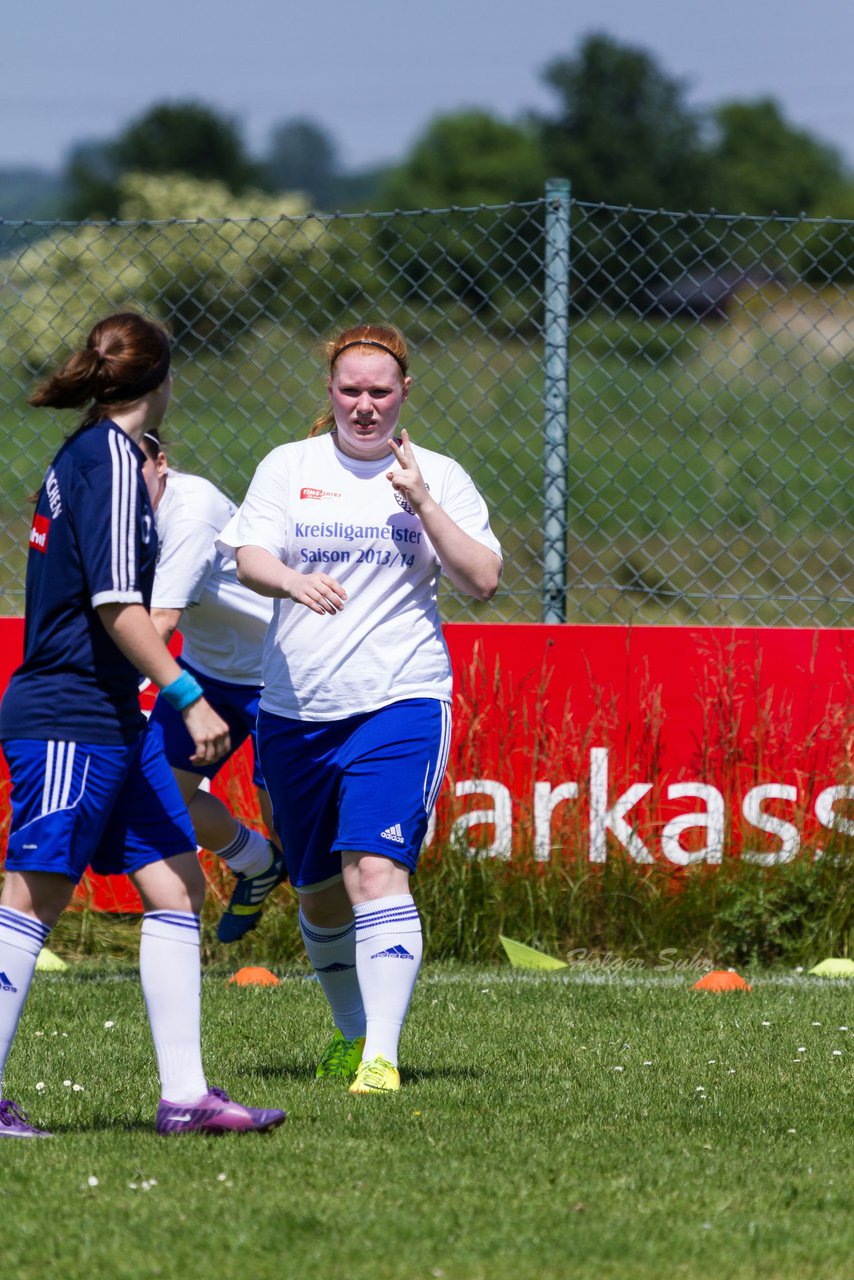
(556,399)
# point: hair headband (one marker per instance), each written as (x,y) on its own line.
(369,342)
(148,381)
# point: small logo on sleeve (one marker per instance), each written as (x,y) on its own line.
(317,495)
(39,532)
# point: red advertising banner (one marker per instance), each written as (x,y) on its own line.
(655,743)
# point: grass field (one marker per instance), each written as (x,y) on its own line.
(616,1126)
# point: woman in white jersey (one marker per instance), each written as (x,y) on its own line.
(223,625)
(348,531)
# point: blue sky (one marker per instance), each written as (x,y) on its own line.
(374,72)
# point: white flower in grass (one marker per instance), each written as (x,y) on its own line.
(843,1028)
(837,1053)
(133,1186)
(791,1131)
(107,1025)
(221,1177)
(67,1084)
(711,1062)
(39,1085)
(731,1071)
(78,1088)
(92,1180)
(766,1024)
(801,1048)
(816,1024)
(647,1064)
(701,1088)
(618,1068)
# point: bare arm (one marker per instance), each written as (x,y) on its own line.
(166,622)
(263,572)
(131,630)
(470,565)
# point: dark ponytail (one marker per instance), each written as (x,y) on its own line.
(125,357)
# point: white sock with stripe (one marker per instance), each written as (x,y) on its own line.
(388,957)
(249,853)
(171,977)
(21,939)
(333,954)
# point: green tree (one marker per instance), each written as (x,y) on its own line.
(302,157)
(171,137)
(468,158)
(763,164)
(486,261)
(623,132)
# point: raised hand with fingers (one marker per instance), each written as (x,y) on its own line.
(408,481)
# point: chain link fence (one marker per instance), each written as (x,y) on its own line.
(706,363)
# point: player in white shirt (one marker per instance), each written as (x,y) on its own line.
(223,625)
(348,532)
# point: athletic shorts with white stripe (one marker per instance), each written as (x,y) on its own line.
(74,805)
(366,784)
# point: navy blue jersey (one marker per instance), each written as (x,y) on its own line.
(92,542)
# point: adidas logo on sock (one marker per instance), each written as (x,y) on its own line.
(6,983)
(393,953)
(393,833)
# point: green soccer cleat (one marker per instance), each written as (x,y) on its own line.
(377,1075)
(250,893)
(341,1058)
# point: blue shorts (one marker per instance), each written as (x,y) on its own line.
(238,706)
(366,784)
(112,808)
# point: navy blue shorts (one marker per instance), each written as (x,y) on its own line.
(366,784)
(238,706)
(112,808)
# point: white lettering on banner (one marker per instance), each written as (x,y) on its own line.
(604,819)
(786,832)
(501,816)
(546,800)
(712,820)
(824,811)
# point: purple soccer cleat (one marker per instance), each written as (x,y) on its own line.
(15,1123)
(215,1113)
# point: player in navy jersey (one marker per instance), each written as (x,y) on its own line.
(223,625)
(348,532)
(90,787)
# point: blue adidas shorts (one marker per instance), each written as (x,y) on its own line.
(112,808)
(238,706)
(366,784)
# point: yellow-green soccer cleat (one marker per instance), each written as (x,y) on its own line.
(341,1058)
(377,1075)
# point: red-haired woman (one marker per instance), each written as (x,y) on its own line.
(348,532)
(89,787)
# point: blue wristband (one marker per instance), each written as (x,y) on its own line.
(184,691)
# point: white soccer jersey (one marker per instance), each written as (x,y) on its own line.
(224,623)
(318,510)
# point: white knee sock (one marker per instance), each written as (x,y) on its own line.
(388,956)
(249,852)
(21,940)
(172,985)
(333,954)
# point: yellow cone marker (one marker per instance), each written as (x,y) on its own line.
(834,967)
(48,959)
(522,957)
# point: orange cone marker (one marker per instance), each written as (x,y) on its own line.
(722,980)
(254,976)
